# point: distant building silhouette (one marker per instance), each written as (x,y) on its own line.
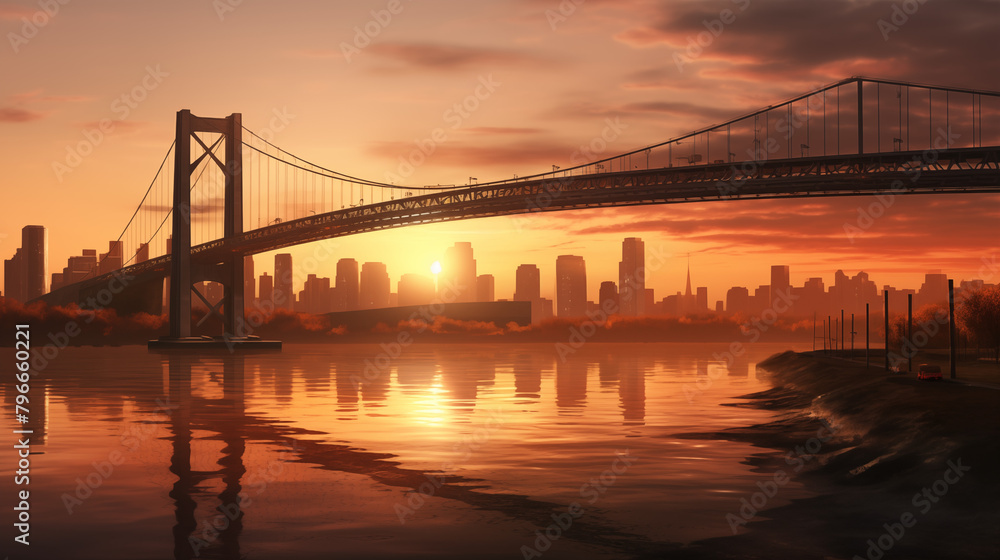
(780,280)
(415,289)
(458,274)
(608,292)
(851,293)
(112,260)
(347,294)
(249,291)
(933,291)
(14,284)
(527,287)
(485,288)
(374,286)
(283,296)
(701,300)
(26,273)
(142,253)
(738,300)
(527,284)
(35,249)
(265,295)
(571,286)
(631,277)
(316,296)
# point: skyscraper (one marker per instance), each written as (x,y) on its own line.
(249,291)
(607,297)
(283,296)
(374,286)
(266,293)
(738,300)
(780,283)
(631,277)
(701,300)
(316,295)
(571,286)
(527,283)
(458,274)
(347,294)
(13,276)
(112,260)
(35,249)
(485,288)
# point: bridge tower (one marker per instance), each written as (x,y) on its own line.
(229,272)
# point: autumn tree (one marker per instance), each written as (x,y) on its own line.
(979,318)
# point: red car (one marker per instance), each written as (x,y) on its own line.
(929,372)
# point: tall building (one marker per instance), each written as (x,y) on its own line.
(780,280)
(527,283)
(934,290)
(631,277)
(812,299)
(607,296)
(77,268)
(26,273)
(701,300)
(283,296)
(112,260)
(249,284)
(485,288)
(738,300)
(142,253)
(415,289)
(571,286)
(316,296)
(265,296)
(458,274)
(374,286)
(13,277)
(35,249)
(346,291)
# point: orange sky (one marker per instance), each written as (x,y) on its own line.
(560,76)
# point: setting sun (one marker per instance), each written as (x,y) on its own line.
(436,267)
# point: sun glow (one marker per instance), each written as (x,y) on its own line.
(436,267)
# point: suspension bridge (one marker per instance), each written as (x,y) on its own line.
(223,192)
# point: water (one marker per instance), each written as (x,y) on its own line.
(144,455)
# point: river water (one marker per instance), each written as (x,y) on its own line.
(367,451)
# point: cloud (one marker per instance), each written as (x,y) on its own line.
(15,115)
(959,227)
(790,42)
(429,56)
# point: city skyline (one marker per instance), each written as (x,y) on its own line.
(501,282)
(369,285)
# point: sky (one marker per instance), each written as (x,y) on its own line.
(353,86)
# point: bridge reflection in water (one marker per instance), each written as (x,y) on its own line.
(229,456)
(211,502)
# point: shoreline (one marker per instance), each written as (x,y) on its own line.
(905,471)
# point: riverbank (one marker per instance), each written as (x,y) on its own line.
(899,468)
